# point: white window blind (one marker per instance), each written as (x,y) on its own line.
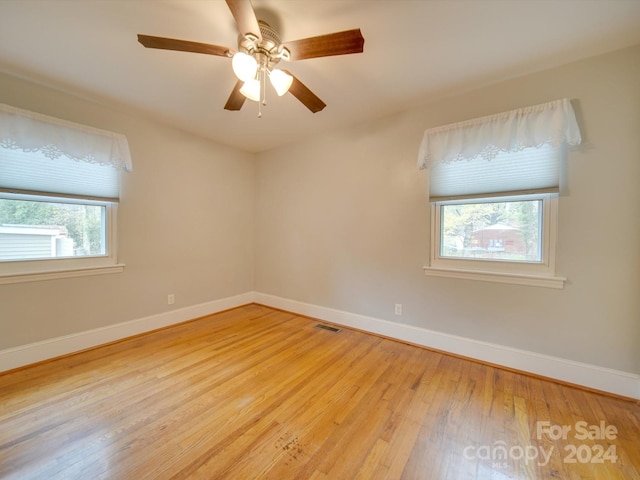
(508,153)
(527,171)
(45,155)
(34,173)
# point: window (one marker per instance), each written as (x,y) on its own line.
(503,235)
(32,228)
(507,230)
(59,192)
(493,187)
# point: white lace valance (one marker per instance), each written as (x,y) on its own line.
(33,132)
(551,123)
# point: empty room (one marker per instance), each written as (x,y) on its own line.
(333,239)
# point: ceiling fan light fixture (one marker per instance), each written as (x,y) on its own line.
(259,50)
(280,80)
(251,89)
(244,66)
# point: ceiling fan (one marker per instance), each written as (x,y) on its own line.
(259,51)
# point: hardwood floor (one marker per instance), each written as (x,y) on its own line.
(259,393)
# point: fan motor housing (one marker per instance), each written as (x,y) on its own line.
(269,45)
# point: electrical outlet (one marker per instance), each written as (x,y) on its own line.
(398,309)
(171,299)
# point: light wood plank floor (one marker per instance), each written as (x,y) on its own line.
(259,393)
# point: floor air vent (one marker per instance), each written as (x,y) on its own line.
(328,327)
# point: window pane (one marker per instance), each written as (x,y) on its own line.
(507,231)
(38,229)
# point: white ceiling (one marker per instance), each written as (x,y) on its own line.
(415,51)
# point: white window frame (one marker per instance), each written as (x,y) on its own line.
(541,274)
(19,271)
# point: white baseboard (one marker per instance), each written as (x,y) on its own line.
(591,376)
(55,347)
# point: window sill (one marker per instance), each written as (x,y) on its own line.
(512,278)
(52,275)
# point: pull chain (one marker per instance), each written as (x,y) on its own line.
(263,91)
(260,75)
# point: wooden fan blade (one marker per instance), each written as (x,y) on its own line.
(339,43)
(183,45)
(236,99)
(306,96)
(245,17)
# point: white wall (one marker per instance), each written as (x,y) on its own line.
(185,227)
(342,222)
